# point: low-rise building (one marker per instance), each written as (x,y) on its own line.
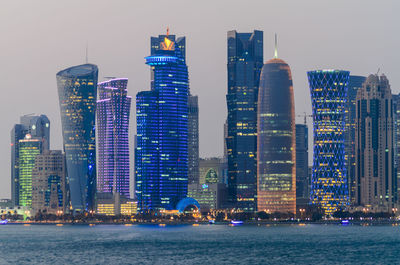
(209,195)
(48,183)
(112,204)
(212,170)
(24,211)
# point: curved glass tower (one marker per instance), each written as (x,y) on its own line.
(77,91)
(113,108)
(162,128)
(329,183)
(276,139)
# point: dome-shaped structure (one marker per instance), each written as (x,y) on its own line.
(186,203)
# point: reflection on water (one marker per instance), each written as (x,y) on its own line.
(201,244)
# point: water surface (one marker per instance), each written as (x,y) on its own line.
(204,244)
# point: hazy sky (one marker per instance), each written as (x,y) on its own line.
(39,38)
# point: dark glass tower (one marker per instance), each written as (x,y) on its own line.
(162,128)
(355,83)
(276,138)
(113,109)
(77,91)
(302,179)
(193,140)
(329,184)
(37,127)
(245,60)
(396,139)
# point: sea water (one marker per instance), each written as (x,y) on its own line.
(203,244)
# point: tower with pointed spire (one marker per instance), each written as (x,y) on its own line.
(276,138)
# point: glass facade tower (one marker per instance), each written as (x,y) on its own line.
(245,60)
(77,91)
(302,176)
(276,138)
(193,140)
(113,109)
(396,138)
(355,83)
(329,184)
(162,128)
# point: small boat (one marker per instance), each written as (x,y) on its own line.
(345,222)
(236,222)
(3,222)
(211,221)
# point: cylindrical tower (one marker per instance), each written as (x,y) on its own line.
(162,128)
(329,184)
(276,143)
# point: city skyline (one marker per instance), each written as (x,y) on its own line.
(42,85)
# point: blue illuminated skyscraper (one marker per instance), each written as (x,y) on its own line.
(162,128)
(77,91)
(245,60)
(113,108)
(329,184)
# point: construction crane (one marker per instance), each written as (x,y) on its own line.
(305,117)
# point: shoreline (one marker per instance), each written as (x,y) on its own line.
(245,223)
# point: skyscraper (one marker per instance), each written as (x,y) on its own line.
(29,148)
(49,191)
(329,184)
(162,127)
(245,60)
(396,139)
(355,83)
(113,109)
(193,140)
(375,174)
(302,179)
(276,139)
(37,127)
(77,91)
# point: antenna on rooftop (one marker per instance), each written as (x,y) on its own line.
(379,69)
(87,51)
(276,47)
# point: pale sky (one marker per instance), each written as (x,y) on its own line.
(41,37)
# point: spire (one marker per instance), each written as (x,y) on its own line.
(87,58)
(276,47)
(167,45)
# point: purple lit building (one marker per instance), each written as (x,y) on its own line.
(113,108)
